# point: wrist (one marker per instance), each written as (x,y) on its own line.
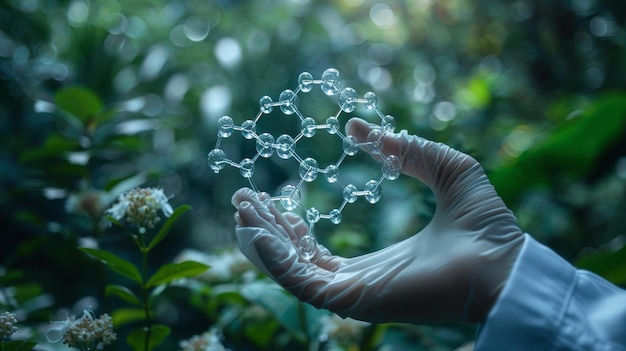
(491,279)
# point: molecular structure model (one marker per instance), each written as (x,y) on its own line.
(284,146)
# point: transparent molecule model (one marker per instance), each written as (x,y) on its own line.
(284,147)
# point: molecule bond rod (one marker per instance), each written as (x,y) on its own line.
(380,114)
(258,116)
(300,184)
(361,193)
(340,160)
(340,134)
(230,163)
(299,114)
(253,185)
(380,181)
(295,156)
(298,137)
(343,204)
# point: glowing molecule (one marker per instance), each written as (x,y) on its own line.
(284,147)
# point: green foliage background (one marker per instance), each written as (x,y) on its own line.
(104,95)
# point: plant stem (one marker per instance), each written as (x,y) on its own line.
(304,325)
(144,291)
(95,227)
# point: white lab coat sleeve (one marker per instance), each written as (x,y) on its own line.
(547,304)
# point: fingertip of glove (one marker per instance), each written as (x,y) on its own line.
(358,127)
(240,195)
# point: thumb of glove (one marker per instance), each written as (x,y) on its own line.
(435,164)
(462,189)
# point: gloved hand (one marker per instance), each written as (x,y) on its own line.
(451,271)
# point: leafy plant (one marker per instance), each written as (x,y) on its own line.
(149,286)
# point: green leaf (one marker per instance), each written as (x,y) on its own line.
(574,149)
(114,221)
(123,293)
(262,334)
(211,299)
(173,271)
(79,102)
(373,336)
(155,293)
(476,93)
(165,229)
(117,264)
(127,143)
(56,146)
(609,265)
(105,116)
(293,315)
(123,316)
(17,345)
(27,291)
(9,276)
(137,338)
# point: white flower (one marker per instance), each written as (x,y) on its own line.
(140,207)
(342,332)
(85,333)
(7,324)
(162,201)
(207,341)
(118,210)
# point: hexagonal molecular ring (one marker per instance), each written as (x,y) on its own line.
(284,147)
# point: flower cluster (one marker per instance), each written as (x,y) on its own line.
(140,207)
(7,324)
(341,332)
(90,202)
(207,341)
(85,333)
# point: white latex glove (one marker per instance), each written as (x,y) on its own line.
(451,271)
